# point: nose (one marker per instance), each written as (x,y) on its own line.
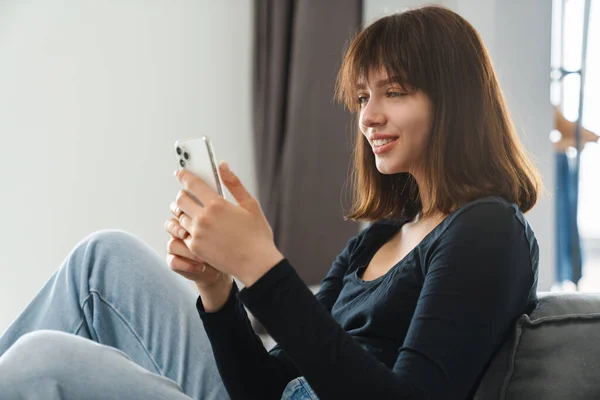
(371,115)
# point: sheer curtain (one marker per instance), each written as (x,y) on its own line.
(567,95)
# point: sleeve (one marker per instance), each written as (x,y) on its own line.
(246,368)
(476,284)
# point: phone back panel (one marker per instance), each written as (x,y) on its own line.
(194,155)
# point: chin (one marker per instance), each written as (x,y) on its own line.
(386,168)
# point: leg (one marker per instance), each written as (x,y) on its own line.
(58,366)
(115,290)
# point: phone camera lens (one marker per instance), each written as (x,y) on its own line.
(178,150)
(182,163)
(186,156)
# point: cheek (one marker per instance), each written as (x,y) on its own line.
(416,128)
(421,124)
(425,130)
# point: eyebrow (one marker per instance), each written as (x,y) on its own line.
(380,83)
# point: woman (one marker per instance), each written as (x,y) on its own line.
(414,307)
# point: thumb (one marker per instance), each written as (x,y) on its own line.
(235,186)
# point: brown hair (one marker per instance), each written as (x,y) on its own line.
(473,149)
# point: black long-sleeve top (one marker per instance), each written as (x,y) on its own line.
(424,330)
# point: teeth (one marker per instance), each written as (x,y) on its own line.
(381,142)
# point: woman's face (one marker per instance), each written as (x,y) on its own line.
(404,114)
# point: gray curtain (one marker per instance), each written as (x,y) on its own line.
(302,137)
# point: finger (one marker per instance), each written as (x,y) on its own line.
(178,248)
(174,228)
(175,210)
(177,263)
(196,186)
(234,185)
(186,222)
(192,276)
(187,206)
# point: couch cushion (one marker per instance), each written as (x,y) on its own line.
(552,353)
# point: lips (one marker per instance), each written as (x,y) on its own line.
(377,136)
(386,147)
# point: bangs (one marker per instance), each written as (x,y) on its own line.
(389,45)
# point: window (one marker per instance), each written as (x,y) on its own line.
(567,94)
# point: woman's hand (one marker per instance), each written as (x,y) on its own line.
(235,239)
(182,261)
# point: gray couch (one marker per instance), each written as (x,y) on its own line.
(552,353)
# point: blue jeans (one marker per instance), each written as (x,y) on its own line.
(569,256)
(121,308)
(112,322)
(298,389)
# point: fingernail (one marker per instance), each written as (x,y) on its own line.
(175,173)
(181,233)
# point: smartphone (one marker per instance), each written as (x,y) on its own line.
(197,156)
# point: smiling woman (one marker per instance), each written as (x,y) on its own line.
(414,307)
(405,309)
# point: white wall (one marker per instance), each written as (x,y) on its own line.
(92,96)
(517,35)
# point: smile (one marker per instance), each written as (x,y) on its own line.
(385,145)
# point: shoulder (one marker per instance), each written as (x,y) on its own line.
(494,206)
(488,227)
(488,214)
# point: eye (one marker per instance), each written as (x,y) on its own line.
(395,94)
(362,99)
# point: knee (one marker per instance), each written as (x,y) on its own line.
(114,239)
(35,354)
(113,257)
(112,248)
(42,344)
